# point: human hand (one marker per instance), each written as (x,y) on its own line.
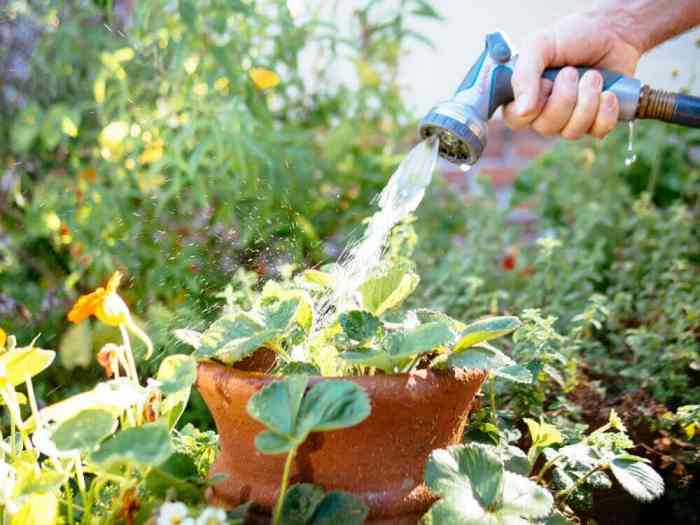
(569,106)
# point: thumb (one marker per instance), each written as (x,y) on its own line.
(531,63)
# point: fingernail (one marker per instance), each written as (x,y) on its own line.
(596,80)
(522,105)
(570,74)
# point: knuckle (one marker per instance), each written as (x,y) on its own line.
(571,134)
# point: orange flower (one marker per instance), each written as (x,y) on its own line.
(103,303)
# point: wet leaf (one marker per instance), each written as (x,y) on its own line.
(359,325)
(368,357)
(176,373)
(485,330)
(84,431)
(425,338)
(387,291)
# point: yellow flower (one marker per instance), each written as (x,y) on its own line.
(103,303)
(264,78)
(112,138)
(3,338)
(221,84)
(52,221)
(200,89)
(152,153)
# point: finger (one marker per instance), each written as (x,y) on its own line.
(560,105)
(582,119)
(608,113)
(532,61)
(514,120)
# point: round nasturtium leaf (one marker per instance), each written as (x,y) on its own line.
(148,445)
(84,431)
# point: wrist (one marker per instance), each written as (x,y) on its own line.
(624,19)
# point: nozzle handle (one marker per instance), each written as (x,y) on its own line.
(609,77)
(625,88)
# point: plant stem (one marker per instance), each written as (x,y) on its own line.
(492,396)
(69,503)
(564,494)
(548,466)
(283,487)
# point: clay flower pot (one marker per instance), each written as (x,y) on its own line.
(380,461)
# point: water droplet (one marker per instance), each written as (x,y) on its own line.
(465,167)
(631,155)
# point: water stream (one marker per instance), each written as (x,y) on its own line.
(631,155)
(400,197)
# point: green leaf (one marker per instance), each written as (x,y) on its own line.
(232,338)
(368,357)
(25,127)
(333,404)
(189,337)
(474,469)
(290,415)
(42,483)
(176,478)
(359,325)
(475,489)
(478,357)
(176,373)
(277,405)
(281,315)
(295,368)
(340,508)
(84,431)
(300,503)
(268,442)
(515,373)
(387,291)
(75,348)
(148,445)
(423,339)
(38,509)
(525,498)
(637,478)
(17,364)
(486,330)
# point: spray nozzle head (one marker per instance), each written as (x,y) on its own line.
(461,132)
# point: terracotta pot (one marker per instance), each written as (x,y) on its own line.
(380,461)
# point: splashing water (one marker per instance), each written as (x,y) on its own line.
(401,196)
(631,155)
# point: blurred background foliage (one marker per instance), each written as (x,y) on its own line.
(178,141)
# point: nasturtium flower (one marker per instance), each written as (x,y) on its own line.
(3,338)
(264,78)
(103,303)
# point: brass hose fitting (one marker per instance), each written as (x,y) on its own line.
(656,104)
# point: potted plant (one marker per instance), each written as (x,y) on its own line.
(370,390)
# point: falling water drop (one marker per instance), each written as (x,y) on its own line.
(465,167)
(631,155)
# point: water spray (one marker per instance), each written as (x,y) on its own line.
(460,123)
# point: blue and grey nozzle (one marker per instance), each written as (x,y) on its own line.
(460,123)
